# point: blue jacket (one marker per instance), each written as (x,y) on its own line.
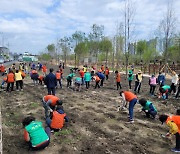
(100,75)
(50,80)
(161,78)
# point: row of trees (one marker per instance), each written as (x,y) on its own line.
(121,48)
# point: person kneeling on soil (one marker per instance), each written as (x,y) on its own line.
(50,102)
(164,90)
(174,123)
(57,118)
(148,108)
(34,133)
(128,96)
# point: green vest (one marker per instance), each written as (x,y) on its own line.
(130,75)
(165,87)
(146,107)
(36,133)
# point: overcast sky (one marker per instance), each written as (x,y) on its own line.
(30,25)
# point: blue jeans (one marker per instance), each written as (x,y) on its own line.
(48,121)
(131,107)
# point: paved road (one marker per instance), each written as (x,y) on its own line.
(10,63)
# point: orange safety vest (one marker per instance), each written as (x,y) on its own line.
(102,68)
(176,120)
(97,78)
(23,74)
(106,72)
(81,72)
(53,99)
(34,72)
(41,77)
(129,96)
(58,76)
(57,120)
(5,79)
(2,68)
(10,78)
(118,77)
(44,68)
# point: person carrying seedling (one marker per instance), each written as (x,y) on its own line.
(128,96)
(57,118)
(164,90)
(50,102)
(173,122)
(34,133)
(118,80)
(148,108)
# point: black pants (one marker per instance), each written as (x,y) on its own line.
(102,81)
(177,94)
(137,86)
(118,85)
(87,84)
(51,91)
(19,84)
(59,80)
(40,81)
(152,89)
(130,81)
(177,141)
(173,88)
(107,77)
(10,85)
(151,114)
(97,85)
(69,82)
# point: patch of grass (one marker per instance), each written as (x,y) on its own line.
(67,141)
(63,132)
(34,105)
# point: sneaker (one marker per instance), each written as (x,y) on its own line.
(175,150)
(130,121)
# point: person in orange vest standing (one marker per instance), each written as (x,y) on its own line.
(10,80)
(107,73)
(81,73)
(102,68)
(128,96)
(44,69)
(57,119)
(118,80)
(174,124)
(50,102)
(58,78)
(2,69)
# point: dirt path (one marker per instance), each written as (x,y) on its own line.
(95,126)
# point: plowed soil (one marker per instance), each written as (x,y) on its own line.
(95,126)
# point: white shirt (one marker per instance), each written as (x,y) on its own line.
(175,79)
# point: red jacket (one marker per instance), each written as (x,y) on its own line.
(81,72)
(10,78)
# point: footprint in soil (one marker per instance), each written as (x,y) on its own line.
(101,106)
(115,127)
(110,115)
(99,111)
(89,108)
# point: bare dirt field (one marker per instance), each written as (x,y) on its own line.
(95,126)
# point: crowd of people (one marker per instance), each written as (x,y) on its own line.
(39,138)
